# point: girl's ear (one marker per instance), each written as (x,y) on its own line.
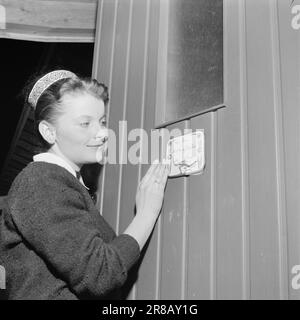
(47,131)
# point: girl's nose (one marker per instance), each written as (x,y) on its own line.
(102,135)
(104,139)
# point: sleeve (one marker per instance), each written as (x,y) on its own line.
(52,218)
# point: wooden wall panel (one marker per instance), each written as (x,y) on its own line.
(149,271)
(228,206)
(262,153)
(289,66)
(133,107)
(233,231)
(102,70)
(231,169)
(201,264)
(173,237)
(128,66)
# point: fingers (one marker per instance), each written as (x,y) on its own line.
(150,173)
(164,176)
(160,179)
(157,173)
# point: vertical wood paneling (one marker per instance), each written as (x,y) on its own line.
(243,101)
(233,231)
(161,91)
(119,92)
(143,99)
(262,154)
(200,260)
(102,70)
(132,81)
(185,252)
(105,40)
(213,207)
(149,271)
(171,237)
(289,42)
(230,214)
(134,102)
(278,135)
(133,105)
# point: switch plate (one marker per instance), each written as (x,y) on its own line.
(186,154)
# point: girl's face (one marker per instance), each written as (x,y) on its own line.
(81,133)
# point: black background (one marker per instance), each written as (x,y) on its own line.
(19,61)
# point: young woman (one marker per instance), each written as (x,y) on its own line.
(54,244)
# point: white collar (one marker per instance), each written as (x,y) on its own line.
(53,158)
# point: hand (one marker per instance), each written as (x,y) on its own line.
(150,193)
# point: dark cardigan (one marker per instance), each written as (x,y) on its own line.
(54,244)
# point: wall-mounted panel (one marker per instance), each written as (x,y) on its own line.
(190,70)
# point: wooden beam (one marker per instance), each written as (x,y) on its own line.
(50,21)
(51,14)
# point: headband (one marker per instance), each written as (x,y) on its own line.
(45,82)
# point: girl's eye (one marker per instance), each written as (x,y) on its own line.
(84,124)
(103,122)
